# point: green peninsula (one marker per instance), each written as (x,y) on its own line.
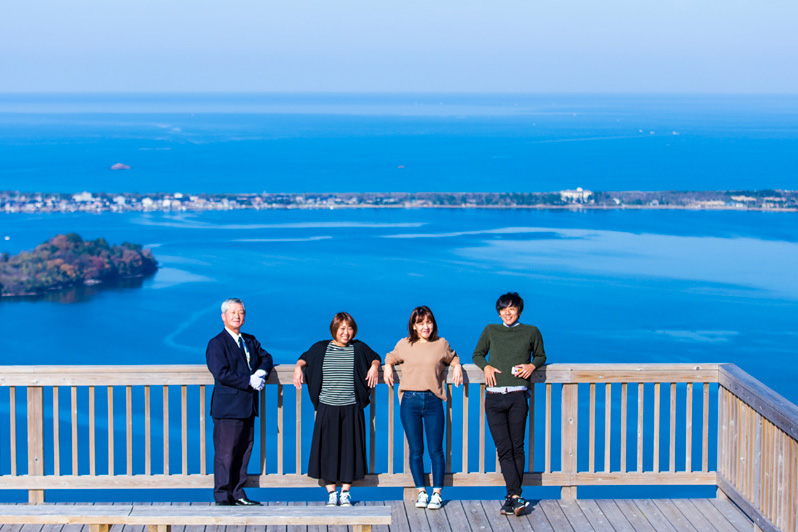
(65,261)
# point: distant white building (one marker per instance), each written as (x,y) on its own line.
(83,197)
(575,196)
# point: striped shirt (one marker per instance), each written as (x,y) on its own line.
(338,381)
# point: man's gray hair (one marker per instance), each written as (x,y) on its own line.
(228,302)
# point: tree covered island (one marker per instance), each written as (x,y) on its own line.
(65,261)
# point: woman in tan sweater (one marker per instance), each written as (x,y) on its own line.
(424,357)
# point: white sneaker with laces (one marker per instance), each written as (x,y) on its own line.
(435,501)
(346,499)
(332,498)
(422,500)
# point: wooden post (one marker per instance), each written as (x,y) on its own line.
(35,440)
(569,443)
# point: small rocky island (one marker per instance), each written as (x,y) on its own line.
(66,261)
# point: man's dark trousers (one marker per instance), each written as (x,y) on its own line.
(507,417)
(232,443)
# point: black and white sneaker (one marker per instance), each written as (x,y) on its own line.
(507,507)
(519,504)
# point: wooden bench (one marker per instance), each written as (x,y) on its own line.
(158,518)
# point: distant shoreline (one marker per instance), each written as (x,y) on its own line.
(767,200)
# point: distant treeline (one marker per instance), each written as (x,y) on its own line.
(68,260)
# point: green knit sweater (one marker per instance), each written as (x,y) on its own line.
(509,346)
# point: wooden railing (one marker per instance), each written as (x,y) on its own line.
(128,427)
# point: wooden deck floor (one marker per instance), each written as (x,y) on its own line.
(617,515)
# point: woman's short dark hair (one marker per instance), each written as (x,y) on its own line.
(418,314)
(510,299)
(338,319)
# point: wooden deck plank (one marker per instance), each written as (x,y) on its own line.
(595,515)
(500,523)
(614,515)
(399,521)
(555,515)
(692,514)
(673,515)
(733,514)
(416,518)
(437,521)
(476,515)
(633,514)
(714,515)
(456,516)
(654,515)
(312,528)
(573,512)
(291,528)
(270,528)
(374,528)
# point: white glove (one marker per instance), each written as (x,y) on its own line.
(256,382)
(261,373)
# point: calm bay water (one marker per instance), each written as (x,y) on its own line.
(623,286)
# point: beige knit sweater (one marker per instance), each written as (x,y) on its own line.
(423,365)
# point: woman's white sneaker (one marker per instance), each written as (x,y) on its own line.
(422,500)
(435,501)
(346,499)
(332,499)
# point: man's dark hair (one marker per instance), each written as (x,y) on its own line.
(510,299)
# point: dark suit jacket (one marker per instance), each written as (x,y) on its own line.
(232,396)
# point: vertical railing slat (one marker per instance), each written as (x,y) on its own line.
(623,426)
(391,399)
(12,427)
(688,430)
(166,430)
(147,431)
(482,428)
(110,394)
(35,416)
(298,428)
(372,433)
(129,428)
(569,432)
(547,463)
(92,440)
(672,431)
(280,429)
(607,425)
(640,412)
(74,407)
(184,429)
(465,426)
(448,428)
(203,457)
(531,444)
(592,430)
(705,429)
(262,397)
(56,434)
(657,435)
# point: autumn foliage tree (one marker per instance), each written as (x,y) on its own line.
(68,260)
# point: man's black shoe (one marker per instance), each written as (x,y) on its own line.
(507,507)
(243,501)
(519,505)
(224,503)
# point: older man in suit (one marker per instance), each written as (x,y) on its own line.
(240,367)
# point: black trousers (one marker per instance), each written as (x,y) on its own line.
(232,446)
(507,416)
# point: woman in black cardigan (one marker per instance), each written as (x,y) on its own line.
(339,373)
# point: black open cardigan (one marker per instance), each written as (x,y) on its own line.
(314,358)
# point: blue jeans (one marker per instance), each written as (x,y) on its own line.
(423,412)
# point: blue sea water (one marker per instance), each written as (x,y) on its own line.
(609,286)
(378,143)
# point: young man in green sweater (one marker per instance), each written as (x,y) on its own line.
(515,350)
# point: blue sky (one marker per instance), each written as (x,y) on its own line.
(666,46)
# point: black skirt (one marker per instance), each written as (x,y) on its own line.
(338,449)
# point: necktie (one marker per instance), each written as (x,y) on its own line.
(241,345)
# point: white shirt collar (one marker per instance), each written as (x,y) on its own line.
(513,325)
(234,335)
